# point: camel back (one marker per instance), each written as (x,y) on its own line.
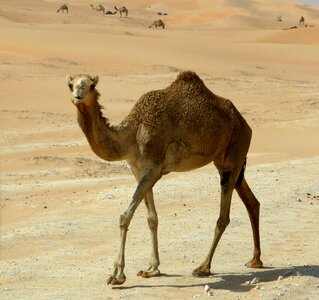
(186,101)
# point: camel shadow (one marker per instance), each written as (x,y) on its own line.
(237,282)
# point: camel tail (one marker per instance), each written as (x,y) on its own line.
(241,175)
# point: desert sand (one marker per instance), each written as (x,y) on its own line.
(60,203)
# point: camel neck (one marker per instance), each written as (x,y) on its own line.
(108,142)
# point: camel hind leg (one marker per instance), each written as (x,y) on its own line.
(228,176)
(252,206)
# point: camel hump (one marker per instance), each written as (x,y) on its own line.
(189,77)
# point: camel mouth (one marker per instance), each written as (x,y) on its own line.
(77,100)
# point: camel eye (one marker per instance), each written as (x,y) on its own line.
(71,86)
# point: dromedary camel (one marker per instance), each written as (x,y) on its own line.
(122,10)
(63,8)
(98,8)
(158,23)
(179,128)
(108,12)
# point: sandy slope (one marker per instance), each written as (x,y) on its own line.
(60,203)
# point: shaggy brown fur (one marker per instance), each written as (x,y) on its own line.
(176,129)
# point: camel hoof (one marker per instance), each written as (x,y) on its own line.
(148,274)
(254,263)
(202,271)
(116,280)
(109,280)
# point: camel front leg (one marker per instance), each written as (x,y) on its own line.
(152,219)
(145,184)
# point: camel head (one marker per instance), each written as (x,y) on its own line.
(82,87)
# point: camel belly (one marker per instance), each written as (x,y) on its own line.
(181,157)
(187,164)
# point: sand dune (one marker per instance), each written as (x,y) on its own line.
(60,203)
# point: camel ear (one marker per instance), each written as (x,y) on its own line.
(68,79)
(95,80)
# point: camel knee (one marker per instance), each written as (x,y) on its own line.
(254,205)
(152,222)
(222,223)
(225,178)
(124,221)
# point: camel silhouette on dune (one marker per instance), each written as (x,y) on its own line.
(158,23)
(63,8)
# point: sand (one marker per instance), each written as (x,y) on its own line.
(60,203)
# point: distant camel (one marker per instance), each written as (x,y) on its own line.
(293,27)
(63,8)
(162,14)
(110,12)
(301,21)
(157,23)
(176,129)
(122,10)
(99,8)
(279,18)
